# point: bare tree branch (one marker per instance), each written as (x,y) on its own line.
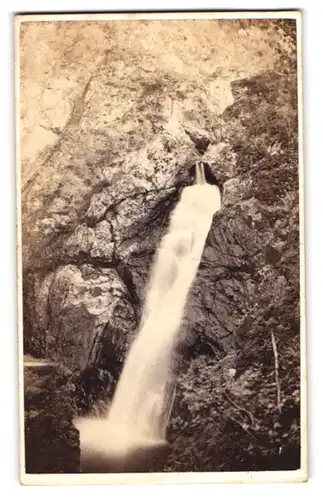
(273,341)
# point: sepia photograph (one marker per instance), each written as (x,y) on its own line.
(161,283)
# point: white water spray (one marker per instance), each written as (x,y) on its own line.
(142,403)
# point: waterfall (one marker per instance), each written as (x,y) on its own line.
(142,403)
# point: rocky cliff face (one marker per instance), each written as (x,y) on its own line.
(107,145)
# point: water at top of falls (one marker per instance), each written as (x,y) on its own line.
(142,403)
(199,173)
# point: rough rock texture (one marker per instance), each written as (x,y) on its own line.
(51,440)
(122,126)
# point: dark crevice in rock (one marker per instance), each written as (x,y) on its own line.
(79,106)
(200,140)
(114,258)
(126,277)
(95,349)
(83,258)
(112,208)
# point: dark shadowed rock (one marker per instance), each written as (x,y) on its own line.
(51,440)
(248,290)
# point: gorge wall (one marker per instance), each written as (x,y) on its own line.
(113,118)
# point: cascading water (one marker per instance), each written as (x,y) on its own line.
(140,410)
